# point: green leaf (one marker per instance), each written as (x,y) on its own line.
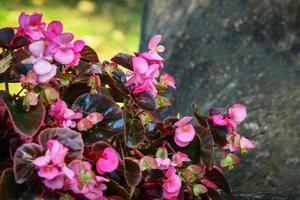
(23,166)
(132,172)
(65,136)
(134,132)
(5,63)
(25,123)
(111,125)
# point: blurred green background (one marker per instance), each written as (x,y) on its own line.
(108,26)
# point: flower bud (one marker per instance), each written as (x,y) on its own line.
(148,163)
(95,117)
(30,99)
(51,95)
(84,124)
(94,82)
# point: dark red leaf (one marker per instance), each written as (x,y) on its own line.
(123,59)
(207,146)
(146,101)
(217,177)
(132,172)
(89,55)
(6,35)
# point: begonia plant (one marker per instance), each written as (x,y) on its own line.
(81,128)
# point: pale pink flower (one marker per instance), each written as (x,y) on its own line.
(63,115)
(178,158)
(108,161)
(162,159)
(85,181)
(31,25)
(84,124)
(30,78)
(184,132)
(62,48)
(42,67)
(155,48)
(172,184)
(78,46)
(237,113)
(237,142)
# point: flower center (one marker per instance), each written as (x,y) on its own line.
(36,27)
(48,169)
(185,128)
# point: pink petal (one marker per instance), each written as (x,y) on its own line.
(41,161)
(238,113)
(140,65)
(185,135)
(55,27)
(184,121)
(154,41)
(219,120)
(95,117)
(154,55)
(42,67)
(160,48)
(36,18)
(68,172)
(56,183)
(37,48)
(47,77)
(64,38)
(180,143)
(23,19)
(108,161)
(78,45)
(48,172)
(65,56)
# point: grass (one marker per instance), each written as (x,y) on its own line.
(108,26)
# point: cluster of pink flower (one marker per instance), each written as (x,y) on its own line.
(235,115)
(48,44)
(78,175)
(146,67)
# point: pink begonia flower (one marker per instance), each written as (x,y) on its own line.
(237,142)
(85,181)
(84,124)
(30,78)
(167,80)
(78,46)
(236,114)
(42,67)
(162,159)
(61,47)
(31,25)
(52,166)
(155,48)
(184,132)
(108,161)
(178,158)
(63,115)
(172,184)
(147,163)
(95,117)
(143,76)
(54,29)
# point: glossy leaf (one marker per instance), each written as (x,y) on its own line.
(18,42)
(25,123)
(134,132)
(6,35)
(207,146)
(23,166)
(113,188)
(123,59)
(146,101)
(132,172)
(65,136)
(219,134)
(111,125)
(74,91)
(217,177)
(5,63)
(9,189)
(89,55)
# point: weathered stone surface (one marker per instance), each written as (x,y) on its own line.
(222,52)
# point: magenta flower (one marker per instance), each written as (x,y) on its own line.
(178,158)
(108,161)
(31,25)
(78,46)
(63,115)
(155,48)
(143,76)
(162,159)
(30,78)
(184,132)
(172,184)
(85,182)
(52,166)
(54,29)
(236,114)
(42,67)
